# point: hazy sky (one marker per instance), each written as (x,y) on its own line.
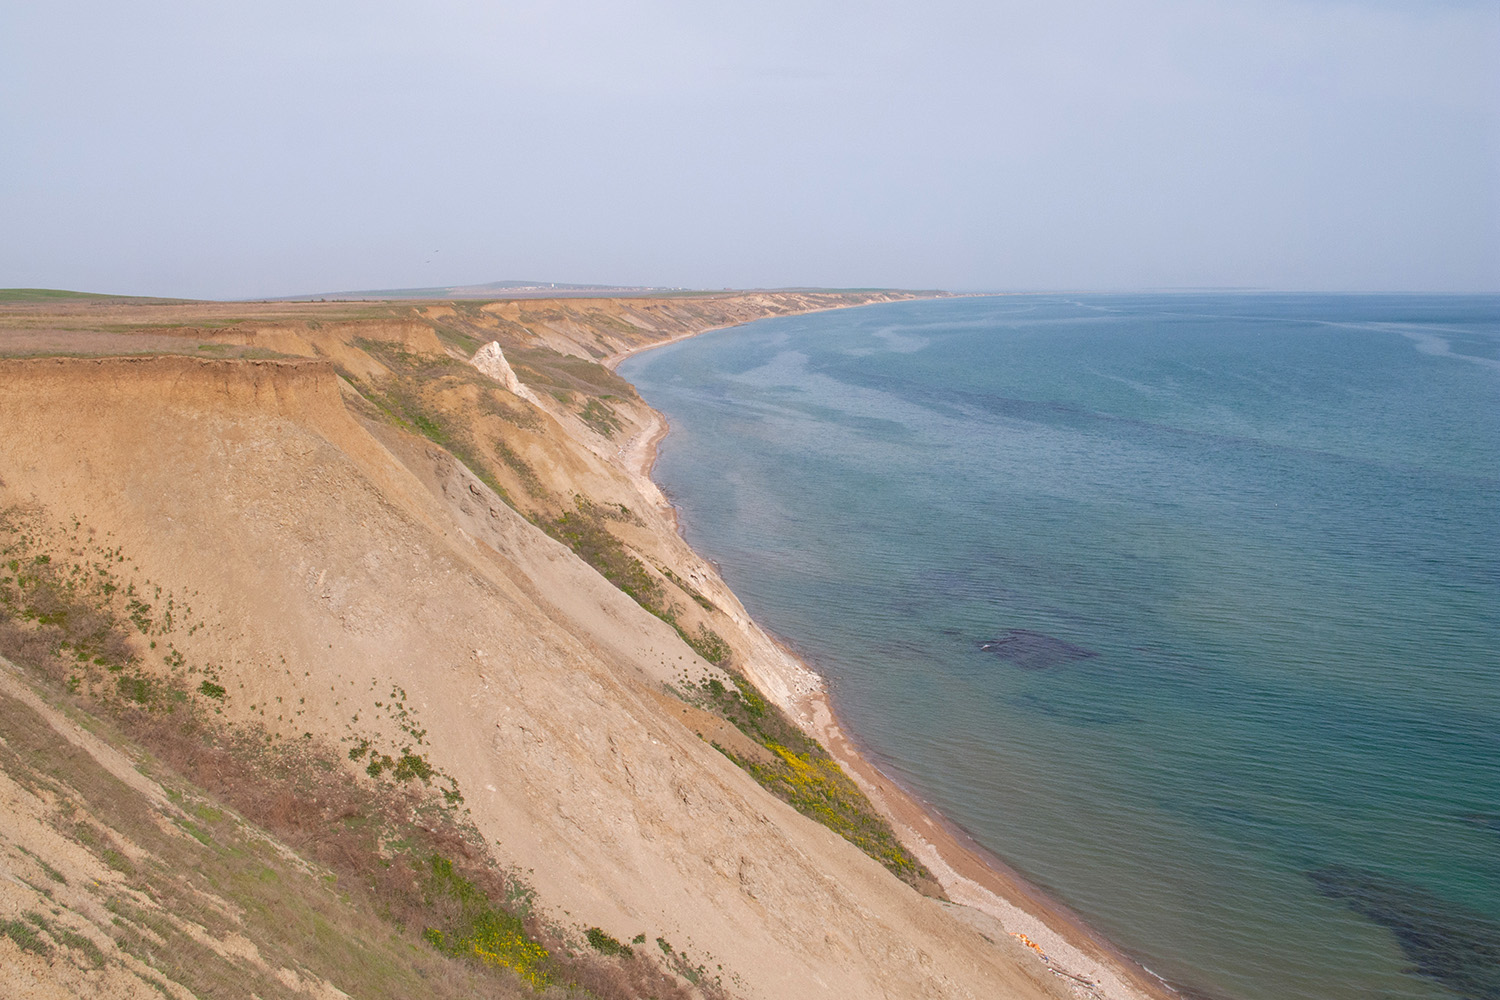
(245,149)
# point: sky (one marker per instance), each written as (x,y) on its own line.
(241,150)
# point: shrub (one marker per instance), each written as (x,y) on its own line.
(800,772)
(605,944)
(583,531)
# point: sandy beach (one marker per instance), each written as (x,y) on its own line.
(981,889)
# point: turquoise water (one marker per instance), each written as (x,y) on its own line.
(1237,562)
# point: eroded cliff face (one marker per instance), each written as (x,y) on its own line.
(366,545)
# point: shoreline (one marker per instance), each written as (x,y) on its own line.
(614,361)
(972,876)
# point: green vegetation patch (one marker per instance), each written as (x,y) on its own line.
(465,340)
(473,926)
(65,604)
(530,481)
(68,939)
(606,944)
(48,295)
(800,772)
(688,589)
(600,416)
(25,936)
(405,399)
(564,374)
(706,643)
(69,612)
(502,404)
(584,530)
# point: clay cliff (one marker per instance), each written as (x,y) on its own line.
(337,665)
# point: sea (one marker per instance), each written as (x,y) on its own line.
(1187,606)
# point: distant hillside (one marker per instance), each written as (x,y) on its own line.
(489,290)
(546,289)
(45,295)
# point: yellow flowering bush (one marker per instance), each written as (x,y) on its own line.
(800,772)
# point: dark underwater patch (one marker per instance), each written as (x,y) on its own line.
(1447,942)
(1035,650)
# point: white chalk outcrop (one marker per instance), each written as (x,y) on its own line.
(490,360)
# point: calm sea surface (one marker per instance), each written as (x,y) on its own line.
(1236,560)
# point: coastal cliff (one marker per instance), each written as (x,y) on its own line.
(295,595)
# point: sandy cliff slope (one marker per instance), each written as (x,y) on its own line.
(322,558)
